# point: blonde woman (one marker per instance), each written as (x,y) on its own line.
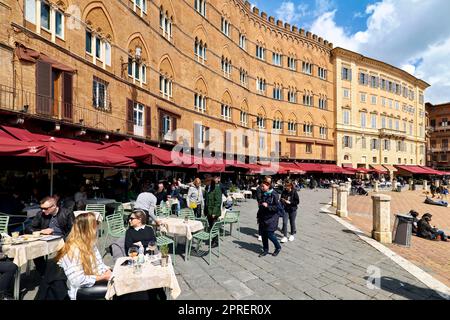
(87,275)
(195,197)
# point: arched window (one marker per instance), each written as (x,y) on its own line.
(165,23)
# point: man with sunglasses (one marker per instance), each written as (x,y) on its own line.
(51,220)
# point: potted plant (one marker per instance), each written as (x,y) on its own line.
(164,255)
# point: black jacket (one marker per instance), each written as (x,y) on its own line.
(144,236)
(292,196)
(424,229)
(268,216)
(54,284)
(64,217)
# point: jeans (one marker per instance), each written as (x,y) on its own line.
(7,272)
(439,233)
(266,235)
(289,215)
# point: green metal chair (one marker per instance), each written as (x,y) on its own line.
(162,240)
(115,227)
(162,211)
(187,212)
(97,208)
(4,221)
(207,236)
(230,218)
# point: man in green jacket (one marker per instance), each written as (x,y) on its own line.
(214,205)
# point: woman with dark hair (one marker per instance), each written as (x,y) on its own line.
(214,206)
(138,233)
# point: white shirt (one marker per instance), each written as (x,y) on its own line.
(76,278)
(146,201)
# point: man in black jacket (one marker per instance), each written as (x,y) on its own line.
(51,220)
(425,230)
(290,201)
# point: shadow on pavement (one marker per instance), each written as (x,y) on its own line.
(253,247)
(249,231)
(407,290)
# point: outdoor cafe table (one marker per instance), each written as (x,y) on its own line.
(178,227)
(150,277)
(22,253)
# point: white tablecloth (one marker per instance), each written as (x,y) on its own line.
(237,195)
(178,227)
(22,253)
(151,277)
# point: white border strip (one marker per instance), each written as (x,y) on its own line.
(421,275)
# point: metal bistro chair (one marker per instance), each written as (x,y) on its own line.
(230,218)
(4,220)
(162,240)
(162,211)
(116,228)
(187,212)
(207,236)
(101,208)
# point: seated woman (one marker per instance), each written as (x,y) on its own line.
(86,273)
(425,230)
(138,233)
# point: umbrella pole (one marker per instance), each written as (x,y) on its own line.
(51,178)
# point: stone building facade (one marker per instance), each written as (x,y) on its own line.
(439,136)
(167,71)
(380,113)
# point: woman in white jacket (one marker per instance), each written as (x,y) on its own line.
(195,198)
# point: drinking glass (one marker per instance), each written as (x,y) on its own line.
(133,253)
(151,248)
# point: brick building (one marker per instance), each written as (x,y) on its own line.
(439,136)
(145,69)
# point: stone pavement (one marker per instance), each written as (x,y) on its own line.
(433,257)
(325,261)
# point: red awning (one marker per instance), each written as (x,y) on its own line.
(30,55)
(379,169)
(290,167)
(309,167)
(433,171)
(332,168)
(413,169)
(11,147)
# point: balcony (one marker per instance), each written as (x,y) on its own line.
(35,106)
(391,133)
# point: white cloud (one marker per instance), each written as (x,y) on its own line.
(288,12)
(410,34)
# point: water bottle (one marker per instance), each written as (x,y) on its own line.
(141,257)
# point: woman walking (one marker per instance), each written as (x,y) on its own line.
(268,218)
(290,201)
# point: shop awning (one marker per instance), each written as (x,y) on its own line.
(289,167)
(10,147)
(413,169)
(30,55)
(379,168)
(309,167)
(433,171)
(390,168)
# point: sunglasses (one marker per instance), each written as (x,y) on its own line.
(42,208)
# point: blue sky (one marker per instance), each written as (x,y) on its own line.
(410,34)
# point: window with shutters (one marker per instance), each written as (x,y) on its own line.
(347,142)
(387,144)
(308,148)
(363,97)
(383,122)
(373,82)
(346,116)
(138,119)
(363,120)
(363,78)
(168,125)
(44,85)
(262,143)
(386,160)
(100,94)
(346,93)
(346,74)
(363,143)
(373,121)
(374,144)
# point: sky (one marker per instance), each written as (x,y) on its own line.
(413,35)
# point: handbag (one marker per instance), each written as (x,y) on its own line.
(193,205)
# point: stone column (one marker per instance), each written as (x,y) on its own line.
(334,192)
(411,182)
(348,184)
(382,218)
(376,186)
(342,196)
(425,185)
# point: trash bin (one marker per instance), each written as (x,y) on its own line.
(399,188)
(403,230)
(414,187)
